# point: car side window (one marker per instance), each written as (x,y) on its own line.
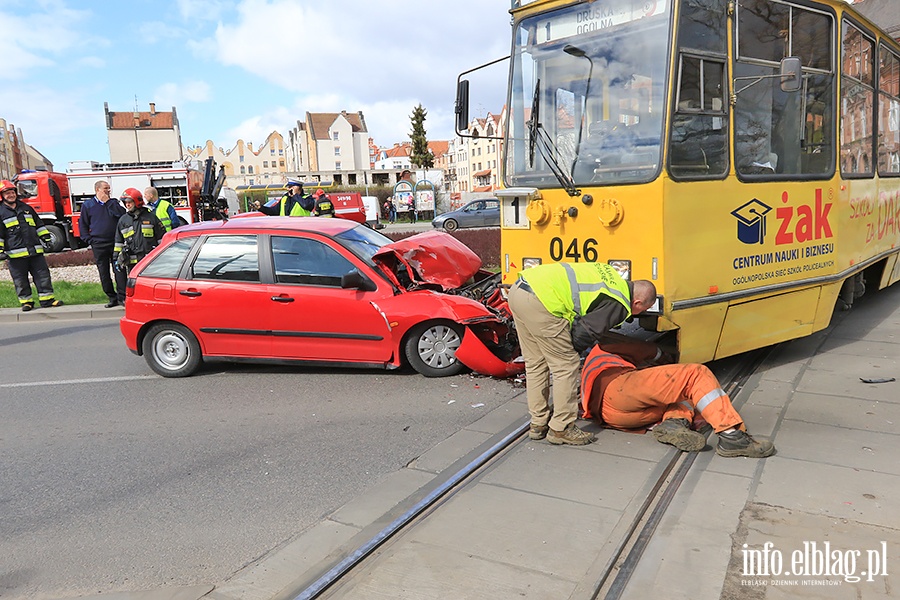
(475,206)
(492,205)
(228,257)
(309,262)
(167,264)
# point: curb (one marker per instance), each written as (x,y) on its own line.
(62,313)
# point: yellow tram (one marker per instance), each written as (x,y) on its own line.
(742,154)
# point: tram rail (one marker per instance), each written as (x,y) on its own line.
(612,579)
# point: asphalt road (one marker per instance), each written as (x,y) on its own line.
(115,479)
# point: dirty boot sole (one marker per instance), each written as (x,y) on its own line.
(685,440)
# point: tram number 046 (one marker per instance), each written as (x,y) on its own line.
(575,251)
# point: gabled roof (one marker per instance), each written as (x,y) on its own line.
(319,123)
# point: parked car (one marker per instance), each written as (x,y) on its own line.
(316,291)
(477,213)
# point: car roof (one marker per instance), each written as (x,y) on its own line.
(322,225)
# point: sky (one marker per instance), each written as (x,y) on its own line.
(238,69)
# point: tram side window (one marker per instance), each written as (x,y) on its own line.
(698,144)
(889,113)
(857,103)
(781,133)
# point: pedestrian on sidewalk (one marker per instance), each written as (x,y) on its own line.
(672,399)
(97,225)
(22,238)
(549,304)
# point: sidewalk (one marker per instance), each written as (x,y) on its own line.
(542,522)
(61,313)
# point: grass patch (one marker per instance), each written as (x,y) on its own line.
(69,293)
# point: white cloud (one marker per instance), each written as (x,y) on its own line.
(62,115)
(179,94)
(209,10)
(381,58)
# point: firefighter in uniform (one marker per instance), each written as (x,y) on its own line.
(293,204)
(324,206)
(21,237)
(673,399)
(553,305)
(137,232)
(163,209)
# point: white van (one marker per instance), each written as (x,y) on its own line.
(370,203)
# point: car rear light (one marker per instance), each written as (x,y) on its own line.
(129,287)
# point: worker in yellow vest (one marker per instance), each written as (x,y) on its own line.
(553,306)
(293,204)
(163,209)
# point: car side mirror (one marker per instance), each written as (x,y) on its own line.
(355,280)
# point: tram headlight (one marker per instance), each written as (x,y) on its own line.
(623,267)
(527,263)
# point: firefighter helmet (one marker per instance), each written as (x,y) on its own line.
(133,195)
(7,185)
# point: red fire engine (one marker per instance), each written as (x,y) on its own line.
(57,197)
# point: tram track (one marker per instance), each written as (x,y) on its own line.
(616,563)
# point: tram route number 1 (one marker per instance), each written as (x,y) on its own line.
(575,251)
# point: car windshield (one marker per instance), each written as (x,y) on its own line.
(363,242)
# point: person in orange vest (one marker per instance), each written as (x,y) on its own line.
(669,399)
(554,306)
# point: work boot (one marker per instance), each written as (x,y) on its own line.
(26,306)
(570,435)
(678,433)
(538,432)
(51,303)
(740,443)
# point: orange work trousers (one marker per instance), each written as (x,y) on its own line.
(641,398)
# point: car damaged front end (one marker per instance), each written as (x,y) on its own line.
(470,296)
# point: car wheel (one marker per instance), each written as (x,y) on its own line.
(431,349)
(451,225)
(171,350)
(57,238)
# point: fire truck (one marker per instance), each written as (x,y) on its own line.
(57,197)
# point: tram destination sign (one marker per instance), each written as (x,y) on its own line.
(596,16)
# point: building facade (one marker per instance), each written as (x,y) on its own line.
(243,164)
(143,136)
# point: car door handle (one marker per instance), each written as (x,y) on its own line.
(282,299)
(191,293)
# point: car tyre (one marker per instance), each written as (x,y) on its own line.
(431,349)
(171,350)
(451,225)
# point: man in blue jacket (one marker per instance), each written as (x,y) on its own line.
(97,226)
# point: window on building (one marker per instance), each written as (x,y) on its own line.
(250,169)
(337,150)
(272,151)
(242,158)
(281,162)
(265,164)
(335,135)
(337,166)
(243,170)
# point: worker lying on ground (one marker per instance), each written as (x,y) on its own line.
(670,398)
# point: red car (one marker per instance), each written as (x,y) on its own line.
(316,291)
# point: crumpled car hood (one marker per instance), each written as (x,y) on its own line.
(434,257)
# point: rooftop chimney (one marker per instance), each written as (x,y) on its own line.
(153,108)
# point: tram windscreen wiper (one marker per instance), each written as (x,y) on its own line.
(533,123)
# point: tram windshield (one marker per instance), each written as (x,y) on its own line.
(587,95)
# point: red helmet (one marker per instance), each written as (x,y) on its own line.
(319,192)
(133,195)
(6,184)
